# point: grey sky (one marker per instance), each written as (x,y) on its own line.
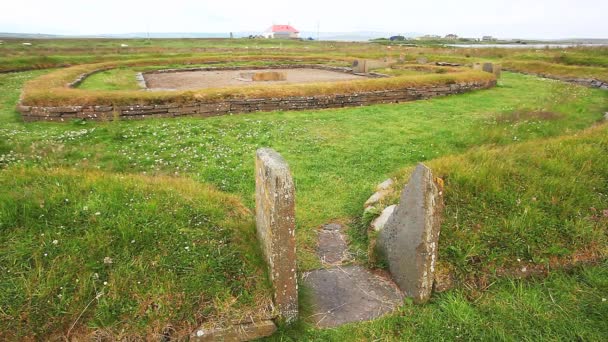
(506,19)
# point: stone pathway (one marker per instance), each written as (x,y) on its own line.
(341,293)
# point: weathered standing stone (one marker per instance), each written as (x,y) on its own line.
(409,239)
(275,221)
(488,67)
(360,66)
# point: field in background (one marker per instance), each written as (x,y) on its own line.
(512,156)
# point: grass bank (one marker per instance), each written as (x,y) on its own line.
(559,70)
(123,255)
(544,206)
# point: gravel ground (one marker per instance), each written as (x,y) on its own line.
(228,78)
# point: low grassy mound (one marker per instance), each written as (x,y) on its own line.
(558,70)
(122,255)
(524,208)
(53,89)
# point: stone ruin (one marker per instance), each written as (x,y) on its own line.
(262,76)
(342,293)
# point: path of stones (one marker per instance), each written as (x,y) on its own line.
(343,293)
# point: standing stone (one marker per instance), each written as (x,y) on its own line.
(275,222)
(408,242)
(488,67)
(360,66)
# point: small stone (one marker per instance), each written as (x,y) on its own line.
(107,260)
(375,198)
(381,220)
(385,185)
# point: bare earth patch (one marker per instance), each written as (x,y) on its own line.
(185,80)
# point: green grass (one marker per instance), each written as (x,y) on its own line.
(348,151)
(544,206)
(115,79)
(337,157)
(571,71)
(127,254)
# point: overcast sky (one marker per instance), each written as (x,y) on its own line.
(504,19)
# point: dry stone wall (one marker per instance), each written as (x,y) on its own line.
(587,82)
(244,105)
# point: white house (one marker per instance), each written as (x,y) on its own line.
(282,32)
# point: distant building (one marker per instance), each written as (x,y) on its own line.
(451,36)
(282,32)
(488,39)
(428,37)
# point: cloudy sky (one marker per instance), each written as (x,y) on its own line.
(505,19)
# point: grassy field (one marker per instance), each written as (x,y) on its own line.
(533,205)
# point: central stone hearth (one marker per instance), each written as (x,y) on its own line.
(262,76)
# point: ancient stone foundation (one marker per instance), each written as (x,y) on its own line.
(408,240)
(230,106)
(587,82)
(275,222)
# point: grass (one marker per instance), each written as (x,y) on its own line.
(115,79)
(179,169)
(544,206)
(571,71)
(130,255)
(346,150)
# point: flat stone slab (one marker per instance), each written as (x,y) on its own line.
(332,248)
(348,294)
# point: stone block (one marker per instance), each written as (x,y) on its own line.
(239,332)
(275,223)
(488,67)
(408,242)
(381,220)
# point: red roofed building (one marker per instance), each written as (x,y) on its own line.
(282,32)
